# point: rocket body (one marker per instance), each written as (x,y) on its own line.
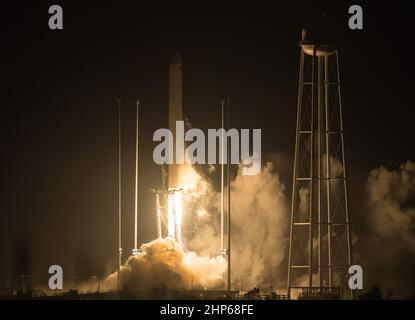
(175,114)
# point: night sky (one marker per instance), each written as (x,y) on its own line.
(58,202)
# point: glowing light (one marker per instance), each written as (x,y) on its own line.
(159,232)
(187,260)
(178,210)
(170,216)
(175,215)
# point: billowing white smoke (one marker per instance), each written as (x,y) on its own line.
(390,216)
(259,209)
(260,219)
(162,264)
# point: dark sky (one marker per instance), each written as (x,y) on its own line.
(58,131)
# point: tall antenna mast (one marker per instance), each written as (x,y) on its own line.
(135,250)
(119,197)
(222,180)
(228,100)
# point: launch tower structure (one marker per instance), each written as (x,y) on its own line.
(320,236)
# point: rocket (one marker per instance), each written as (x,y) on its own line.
(175,112)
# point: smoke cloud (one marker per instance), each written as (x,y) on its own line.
(162,264)
(259,209)
(260,218)
(390,216)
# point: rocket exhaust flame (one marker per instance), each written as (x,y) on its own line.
(178,210)
(175,215)
(159,234)
(170,216)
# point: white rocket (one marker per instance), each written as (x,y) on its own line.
(175,113)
